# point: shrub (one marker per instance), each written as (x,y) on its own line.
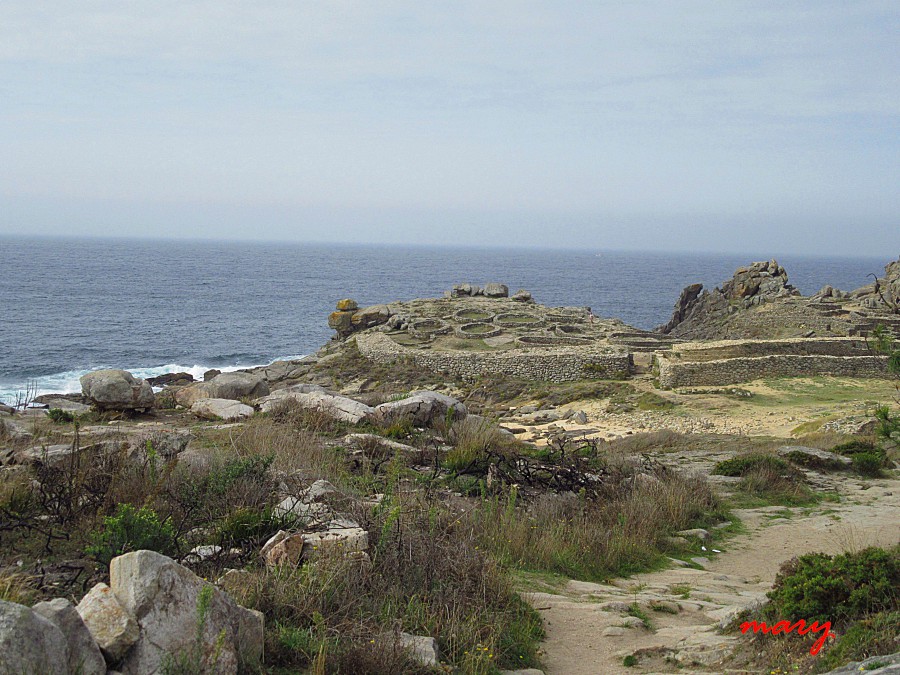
(473,438)
(247,527)
(842,588)
(132,529)
(651,401)
(752,461)
(852,447)
(811,461)
(874,635)
(777,487)
(61,416)
(868,464)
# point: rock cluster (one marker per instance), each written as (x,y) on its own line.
(155,615)
(758,283)
(491,290)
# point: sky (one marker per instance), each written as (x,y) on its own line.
(703,125)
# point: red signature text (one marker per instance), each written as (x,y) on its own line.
(785,627)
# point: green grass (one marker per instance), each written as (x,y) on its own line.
(821,390)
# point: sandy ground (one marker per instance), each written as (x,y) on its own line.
(778,409)
(584,622)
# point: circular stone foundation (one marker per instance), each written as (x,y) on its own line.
(426,328)
(552,341)
(518,320)
(476,330)
(567,317)
(566,330)
(473,316)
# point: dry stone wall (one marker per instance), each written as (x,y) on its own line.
(673,373)
(564,364)
(728,349)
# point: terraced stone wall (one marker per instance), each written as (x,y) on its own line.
(728,349)
(564,364)
(675,373)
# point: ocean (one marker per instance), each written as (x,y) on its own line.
(68,306)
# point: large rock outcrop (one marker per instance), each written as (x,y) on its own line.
(349,318)
(182,618)
(117,390)
(233,386)
(221,409)
(883,294)
(337,407)
(420,408)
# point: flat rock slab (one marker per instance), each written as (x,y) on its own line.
(220,409)
(337,407)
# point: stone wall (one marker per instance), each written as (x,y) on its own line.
(728,349)
(673,373)
(562,364)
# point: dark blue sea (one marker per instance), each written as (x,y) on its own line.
(69,306)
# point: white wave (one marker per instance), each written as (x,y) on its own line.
(68,382)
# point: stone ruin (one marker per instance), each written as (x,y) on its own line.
(476,331)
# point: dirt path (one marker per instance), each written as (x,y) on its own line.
(590,630)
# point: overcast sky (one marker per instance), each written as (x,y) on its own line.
(688,125)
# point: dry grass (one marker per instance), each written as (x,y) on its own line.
(472,438)
(427,576)
(14,587)
(295,449)
(595,540)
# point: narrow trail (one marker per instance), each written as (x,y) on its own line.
(589,628)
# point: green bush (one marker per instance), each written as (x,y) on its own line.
(246,527)
(819,587)
(853,447)
(61,416)
(132,529)
(876,634)
(745,464)
(650,401)
(868,464)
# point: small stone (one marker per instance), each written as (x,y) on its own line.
(423,649)
(613,631)
(631,622)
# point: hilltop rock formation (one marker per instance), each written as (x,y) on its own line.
(884,293)
(758,302)
(751,286)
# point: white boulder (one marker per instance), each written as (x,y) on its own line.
(220,409)
(113,628)
(117,390)
(182,617)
